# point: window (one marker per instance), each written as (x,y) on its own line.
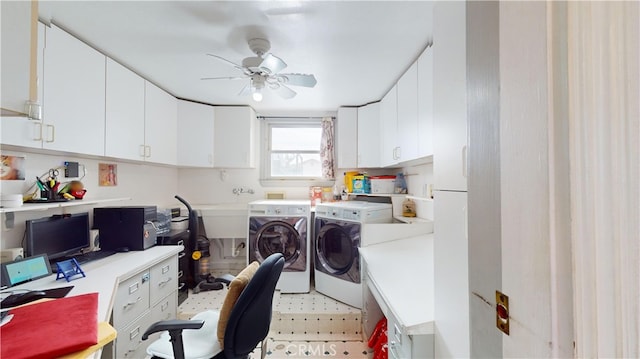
(291,149)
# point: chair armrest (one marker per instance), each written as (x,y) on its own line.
(172,325)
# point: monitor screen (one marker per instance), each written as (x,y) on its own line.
(57,236)
(24,270)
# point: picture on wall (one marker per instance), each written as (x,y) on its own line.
(107,174)
(12,168)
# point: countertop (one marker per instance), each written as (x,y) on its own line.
(103,276)
(401,272)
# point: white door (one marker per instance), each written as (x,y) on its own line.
(369,135)
(451,275)
(160,125)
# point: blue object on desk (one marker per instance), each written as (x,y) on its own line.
(68,269)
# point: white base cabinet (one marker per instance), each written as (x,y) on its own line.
(148,296)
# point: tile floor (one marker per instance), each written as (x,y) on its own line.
(308,325)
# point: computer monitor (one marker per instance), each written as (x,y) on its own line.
(24,270)
(57,236)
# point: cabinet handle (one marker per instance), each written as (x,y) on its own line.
(181,255)
(53,133)
(180,243)
(132,303)
(210,159)
(164,282)
(147,151)
(39,132)
(180,274)
(398,153)
(181,286)
(142,150)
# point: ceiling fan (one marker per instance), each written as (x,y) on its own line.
(263,71)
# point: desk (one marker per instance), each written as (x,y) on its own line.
(105,277)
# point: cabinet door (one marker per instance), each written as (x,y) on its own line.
(160,125)
(20,131)
(408,114)
(195,134)
(450,99)
(74,92)
(16,55)
(425,103)
(369,135)
(347,137)
(124,125)
(233,137)
(389,128)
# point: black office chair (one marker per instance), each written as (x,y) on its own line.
(248,323)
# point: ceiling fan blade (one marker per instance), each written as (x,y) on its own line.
(272,64)
(246,90)
(298,79)
(227,61)
(224,78)
(284,92)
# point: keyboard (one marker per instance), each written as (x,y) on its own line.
(85,258)
(94,255)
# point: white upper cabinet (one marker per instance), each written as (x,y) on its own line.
(74,95)
(369,135)
(19,131)
(234,135)
(425,103)
(195,134)
(18,25)
(389,128)
(347,137)
(124,112)
(450,96)
(408,114)
(160,126)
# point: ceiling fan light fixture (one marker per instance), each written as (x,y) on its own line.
(257,94)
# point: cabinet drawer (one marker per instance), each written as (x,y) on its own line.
(164,279)
(129,343)
(132,299)
(399,341)
(166,308)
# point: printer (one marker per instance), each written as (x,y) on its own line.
(126,228)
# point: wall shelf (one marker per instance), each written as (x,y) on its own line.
(418,198)
(412,219)
(44,206)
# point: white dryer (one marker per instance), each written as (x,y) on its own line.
(337,239)
(282,226)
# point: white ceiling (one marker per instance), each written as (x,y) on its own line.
(356,49)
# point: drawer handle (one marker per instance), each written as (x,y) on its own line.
(132,303)
(181,255)
(164,282)
(180,274)
(181,286)
(181,242)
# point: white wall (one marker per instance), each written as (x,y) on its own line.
(145,184)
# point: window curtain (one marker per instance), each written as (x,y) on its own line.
(327,143)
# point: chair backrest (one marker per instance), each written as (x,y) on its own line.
(250,317)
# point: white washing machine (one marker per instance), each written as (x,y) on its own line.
(282,226)
(337,238)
